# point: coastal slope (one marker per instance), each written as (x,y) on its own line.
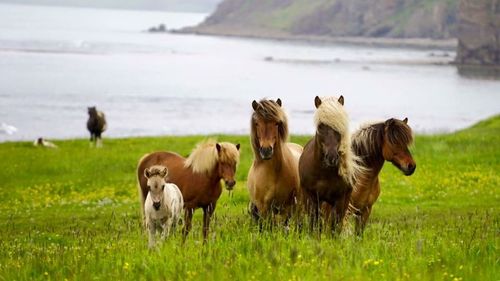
(435,19)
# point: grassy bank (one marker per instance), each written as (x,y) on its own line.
(72,213)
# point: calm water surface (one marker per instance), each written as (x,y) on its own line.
(54,62)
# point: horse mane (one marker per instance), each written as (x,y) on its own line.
(205,156)
(268,111)
(332,114)
(368,139)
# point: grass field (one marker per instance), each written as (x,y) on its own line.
(72,213)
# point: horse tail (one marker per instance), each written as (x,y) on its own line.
(139,190)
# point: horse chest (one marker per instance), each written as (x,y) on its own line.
(330,187)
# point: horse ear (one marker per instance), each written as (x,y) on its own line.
(219,148)
(278,101)
(238,146)
(255,105)
(317,101)
(147,173)
(405,120)
(341,100)
(164,172)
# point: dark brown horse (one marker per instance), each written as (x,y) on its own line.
(327,166)
(273,179)
(96,124)
(374,144)
(198,177)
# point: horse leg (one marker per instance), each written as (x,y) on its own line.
(312,206)
(92,136)
(207,214)
(362,219)
(166,229)
(254,212)
(188,216)
(152,232)
(340,210)
(98,140)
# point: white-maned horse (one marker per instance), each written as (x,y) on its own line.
(163,205)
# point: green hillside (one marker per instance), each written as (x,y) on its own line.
(377,18)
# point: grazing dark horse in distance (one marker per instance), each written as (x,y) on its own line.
(328,167)
(96,124)
(198,177)
(273,179)
(374,144)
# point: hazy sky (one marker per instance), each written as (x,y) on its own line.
(162,5)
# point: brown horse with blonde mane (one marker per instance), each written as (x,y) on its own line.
(198,177)
(328,166)
(273,179)
(374,144)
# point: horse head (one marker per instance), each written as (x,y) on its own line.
(397,138)
(228,160)
(269,127)
(156,176)
(328,138)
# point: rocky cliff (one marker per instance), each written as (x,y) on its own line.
(479,32)
(333,18)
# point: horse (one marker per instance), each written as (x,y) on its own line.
(198,177)
(96,124)
(374,144)
(163,204)
(41,142)
(328,166)
(273,179)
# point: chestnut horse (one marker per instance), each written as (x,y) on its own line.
(328,166)
(198,177)
(273,179)
(375,144)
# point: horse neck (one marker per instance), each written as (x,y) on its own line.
(211,179)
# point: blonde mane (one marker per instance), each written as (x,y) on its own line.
(332,114)
(205,156)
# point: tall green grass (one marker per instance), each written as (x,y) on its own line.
(72,213)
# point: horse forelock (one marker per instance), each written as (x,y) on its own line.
(399,133)
(156,171)
(229,153)
(332,114)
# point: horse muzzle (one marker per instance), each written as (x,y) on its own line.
(266,152)
(156,205)
(410,169)
(230,184)
(331,161)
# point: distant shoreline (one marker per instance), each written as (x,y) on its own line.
(416,43)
